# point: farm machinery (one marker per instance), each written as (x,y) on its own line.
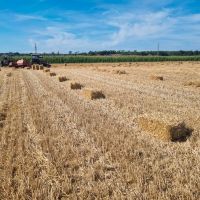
(7,61)
(38,59)
(10,62)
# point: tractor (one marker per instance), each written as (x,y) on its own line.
(38,59)
(9,62)
(6,61)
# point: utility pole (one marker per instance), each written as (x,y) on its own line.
(158,49)
(35,48)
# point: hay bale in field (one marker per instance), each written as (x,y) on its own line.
(93,94)
(119,72)
(9,74)
(41,67)
(52,74)
(159,78)
(101,70)
(46,70)
(62,78)
(163,131)
(193,83)
(37,67)
(75,85)
(33,67)
(104,70)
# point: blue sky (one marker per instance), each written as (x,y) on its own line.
(62,25)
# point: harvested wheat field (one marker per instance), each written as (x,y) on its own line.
(141,141)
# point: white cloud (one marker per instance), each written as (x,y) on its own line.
(57,39)
(25,17)
(112,29)
(140,26)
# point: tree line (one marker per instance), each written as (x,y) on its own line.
(114,53)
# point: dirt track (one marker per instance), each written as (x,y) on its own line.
(55,144)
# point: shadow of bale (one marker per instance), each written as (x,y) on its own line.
(2,119)
(159,78)
(2,116)
(180,133)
